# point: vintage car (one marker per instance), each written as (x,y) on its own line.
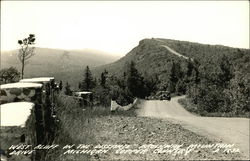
(85,98)
(160,95)
(163,95)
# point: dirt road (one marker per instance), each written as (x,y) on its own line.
(171,50)
(228,130)
(174,52)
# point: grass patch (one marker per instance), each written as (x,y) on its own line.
(193,108)
(76,125)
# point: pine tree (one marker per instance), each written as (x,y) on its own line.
(190,67)
(88,82)
(103,78)
(174,76)
(135,83)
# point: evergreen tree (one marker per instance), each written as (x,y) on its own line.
(190,67)
(122,81)
(135,83)
(103,78)
(195,77)
(174,76)
(88,82)
(180,87)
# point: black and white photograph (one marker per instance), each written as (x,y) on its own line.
(124,80)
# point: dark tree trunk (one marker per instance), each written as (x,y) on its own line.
(22,68)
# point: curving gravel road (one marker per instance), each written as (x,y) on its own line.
(228,130)
(172,51)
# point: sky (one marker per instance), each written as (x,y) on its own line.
(117,26)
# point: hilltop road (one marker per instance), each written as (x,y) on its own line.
(172,51)
(228,130)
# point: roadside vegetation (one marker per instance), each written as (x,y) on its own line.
(191,107)
(109,87)
(76,125)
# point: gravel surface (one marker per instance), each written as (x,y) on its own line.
(137,131)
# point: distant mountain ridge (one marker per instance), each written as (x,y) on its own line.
(66,65)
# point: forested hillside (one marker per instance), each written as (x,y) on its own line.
(150,55)
(216,78)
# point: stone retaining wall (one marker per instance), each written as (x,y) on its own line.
(40,124)
(17,94)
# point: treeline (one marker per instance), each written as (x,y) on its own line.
(123,89)
(219,86)
(223,86)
